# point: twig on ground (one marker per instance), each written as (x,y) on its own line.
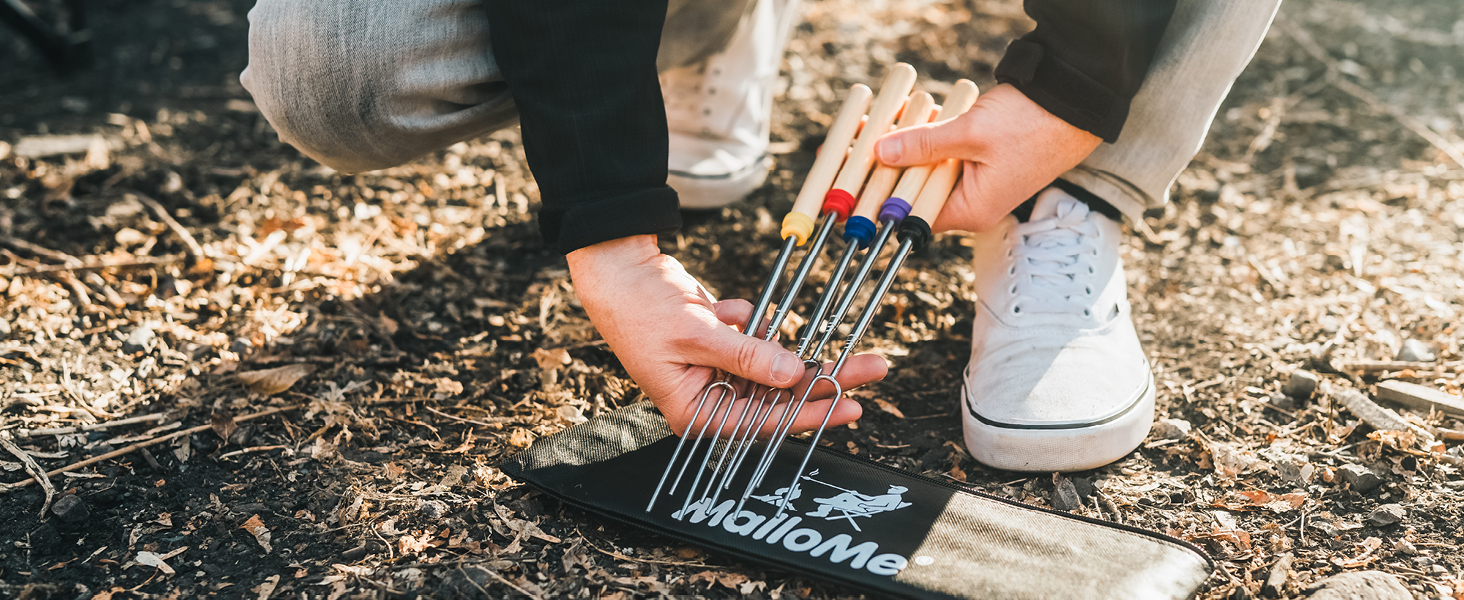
(38,250)
(620,556)
(153,442)
(249,450)
(141,261)
(1373,366)
(89,426)
(37,473)
(489,423)
(187,238)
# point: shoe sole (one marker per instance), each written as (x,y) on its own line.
(707,192)
(1067,448)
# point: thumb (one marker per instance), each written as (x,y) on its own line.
(750,358)
(925,144)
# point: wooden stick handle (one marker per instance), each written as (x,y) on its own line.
(892,93)
(882,180)
(799,222)
(937,190)
(908,191)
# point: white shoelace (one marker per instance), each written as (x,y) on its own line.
(1053,263)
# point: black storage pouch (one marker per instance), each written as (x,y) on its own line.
(861,523)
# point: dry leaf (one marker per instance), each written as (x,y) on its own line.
(412,545)
(223,424)
(267,588)
(388,325)
(886,406)
(159,561)
(150,559)
(260,532)
(532,530)
(1258,499)
(570,414)
(520,438)
(552,359)
(268,382)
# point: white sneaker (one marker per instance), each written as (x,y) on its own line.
(720,111)
(1057,380)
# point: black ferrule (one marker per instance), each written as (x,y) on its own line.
(916,231)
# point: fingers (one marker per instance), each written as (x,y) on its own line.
(733,312)
(746,356)
(925,144)
(767,408)
(980,201)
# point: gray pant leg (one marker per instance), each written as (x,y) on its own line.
(1204,49)
(369,84)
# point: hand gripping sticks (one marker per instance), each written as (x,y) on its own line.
(934,184)
(914,232)
(841,187)
(797,227)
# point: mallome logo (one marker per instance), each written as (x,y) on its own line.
(844,506)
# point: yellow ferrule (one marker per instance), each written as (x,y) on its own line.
(798,225)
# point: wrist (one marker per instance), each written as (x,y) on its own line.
(617,252)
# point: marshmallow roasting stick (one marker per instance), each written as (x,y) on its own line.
(836,205)
(917,111)
(890,214)
(796,228)
(914,232)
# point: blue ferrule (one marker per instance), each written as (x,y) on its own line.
(858,230)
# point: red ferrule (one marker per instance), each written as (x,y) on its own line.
(839,202)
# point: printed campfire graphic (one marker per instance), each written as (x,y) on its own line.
(847,504)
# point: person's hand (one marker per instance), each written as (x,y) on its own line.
(671,336)
(1012,148)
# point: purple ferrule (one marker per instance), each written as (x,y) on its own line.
(894,210)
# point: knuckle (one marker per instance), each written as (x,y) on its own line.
(746,355)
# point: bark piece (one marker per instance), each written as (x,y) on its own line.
(1380,418)
(1277,580)
(1420,397)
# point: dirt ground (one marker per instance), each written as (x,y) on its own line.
(410,331)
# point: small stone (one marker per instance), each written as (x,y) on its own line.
(140,340)
(1406,547)
(1065,495)
(241,435)
(1172,429)
(1416,351)
(71,509)
(1283,402)
(1302,384)
(1387,514)
(1362,479)
(1363,585)
(432,509)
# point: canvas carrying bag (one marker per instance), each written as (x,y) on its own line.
(858,522)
